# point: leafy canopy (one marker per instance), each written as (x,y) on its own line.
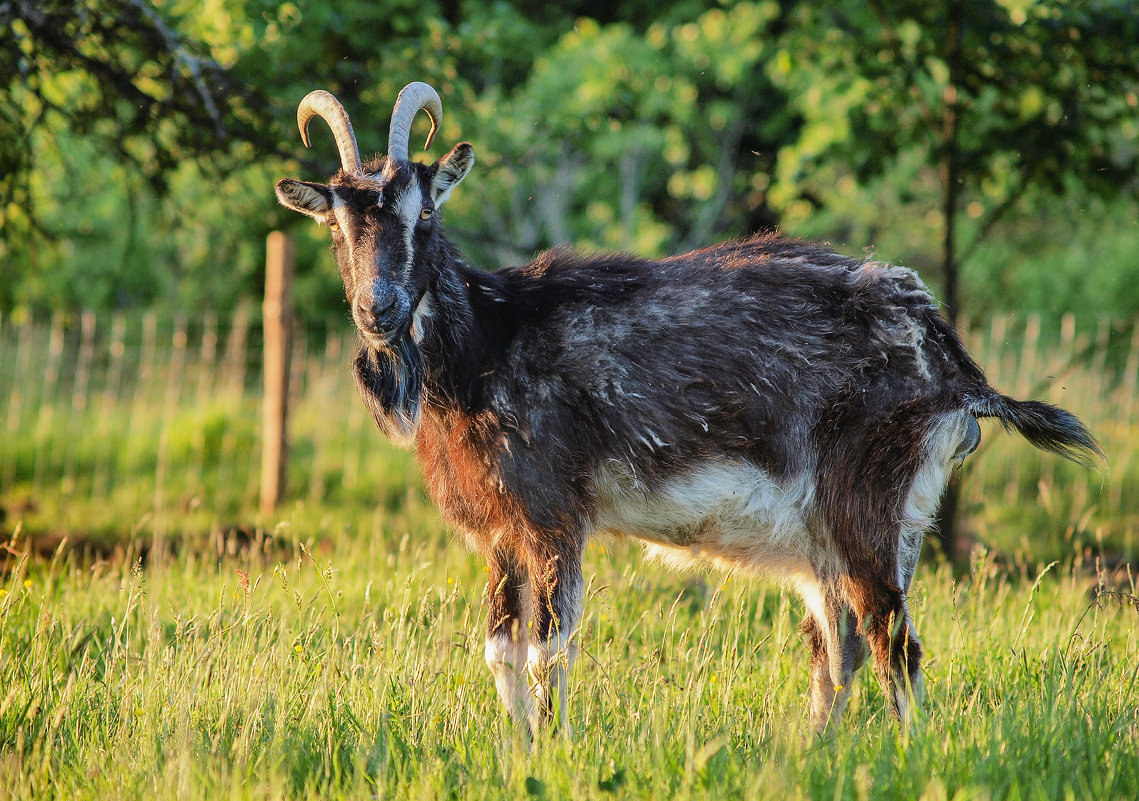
(142,138)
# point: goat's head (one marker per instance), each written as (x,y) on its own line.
(383,214)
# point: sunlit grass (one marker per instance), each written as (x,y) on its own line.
(354,669)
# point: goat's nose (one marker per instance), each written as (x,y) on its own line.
(367,316)
(381,304)
(383,298)
(382,311)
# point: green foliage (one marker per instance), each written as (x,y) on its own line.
(102,103)
(135,78)
(939,109)
(631,141)
(1042,90)
(142,139)
(1068,253)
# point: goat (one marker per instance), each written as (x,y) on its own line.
(764,404)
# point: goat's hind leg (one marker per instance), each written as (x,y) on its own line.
(508,605)
(837,652)
(897,652)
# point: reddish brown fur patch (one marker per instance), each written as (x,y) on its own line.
(464,481)
(507,597)
(454,450)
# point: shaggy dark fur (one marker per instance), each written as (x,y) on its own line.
(529,393)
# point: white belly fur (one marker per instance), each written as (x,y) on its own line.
(732,515)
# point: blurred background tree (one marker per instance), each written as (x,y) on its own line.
(973,108)
(966,112)
(142,137)
(117,119)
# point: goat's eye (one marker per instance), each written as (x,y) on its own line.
(333,225)
(426,213)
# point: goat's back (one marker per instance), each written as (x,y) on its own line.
(743,346)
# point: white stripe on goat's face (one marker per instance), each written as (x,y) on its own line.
(408,205)
(354,243)
(343,219)
(419,318)
(376,219)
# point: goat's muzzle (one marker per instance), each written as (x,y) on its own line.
(382,315)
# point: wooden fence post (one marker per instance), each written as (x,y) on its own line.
(277,317)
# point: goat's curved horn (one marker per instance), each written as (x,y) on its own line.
(322,104)
(412,98)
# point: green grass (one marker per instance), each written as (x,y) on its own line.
(353,668)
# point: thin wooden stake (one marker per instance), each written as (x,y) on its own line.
(107,463)
(235,354)
(16,401)
(329,368)
(174,377)
(206,369)
(47,401)
(277,317)
(207,363)
(1131,378)
(137,449)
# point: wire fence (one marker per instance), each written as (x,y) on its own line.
(112,423)
(157,421)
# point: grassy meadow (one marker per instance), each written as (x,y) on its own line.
(355,670)
(158,639)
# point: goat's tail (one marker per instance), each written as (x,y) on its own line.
(1047,427)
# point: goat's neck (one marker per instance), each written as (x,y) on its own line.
(457,334)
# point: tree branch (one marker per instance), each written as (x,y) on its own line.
(994,216)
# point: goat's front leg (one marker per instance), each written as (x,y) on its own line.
(558,593)
(508,615)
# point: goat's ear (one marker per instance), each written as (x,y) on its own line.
(313,200)
(451,169)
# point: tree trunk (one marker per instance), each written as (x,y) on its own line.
(947,513)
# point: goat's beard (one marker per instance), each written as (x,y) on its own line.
(390,382)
